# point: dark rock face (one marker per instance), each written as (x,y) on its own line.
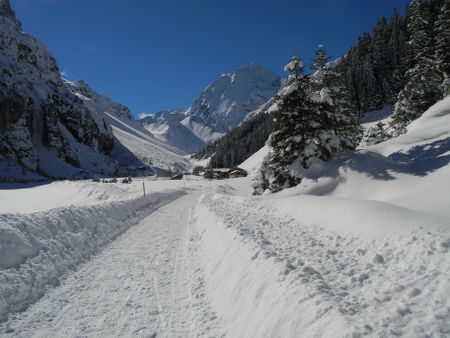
(38,112)
(6,10)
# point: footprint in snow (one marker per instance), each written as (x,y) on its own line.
(414,292)
(446,244)
(378,259)
(363,277)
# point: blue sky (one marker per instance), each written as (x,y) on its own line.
(159,54)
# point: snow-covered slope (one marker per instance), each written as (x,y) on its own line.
(167,127)
(221,106)
(147,148)
(227,101)
(134,146)
(45,129)
(360,247)
(253,163)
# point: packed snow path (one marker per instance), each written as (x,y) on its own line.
(147,283)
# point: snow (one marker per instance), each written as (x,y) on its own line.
(287,274)
(204,132)
(294,64)
(369,123)
(148,149)
(222,105)
(167,127)
(230,98)
(48,230)
(29,67)
(134,144)
(36,249)
(253,163)
(30,198)
(142,285)
(360,247)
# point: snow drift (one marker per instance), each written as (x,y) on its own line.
(267,272)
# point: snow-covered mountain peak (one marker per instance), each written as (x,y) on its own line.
(222,105)
(226,102)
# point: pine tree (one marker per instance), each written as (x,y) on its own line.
(376,134)
(340,129)
(321,60)
(292,111)
(443,45)
(314,118)
(423,81)
(371,92)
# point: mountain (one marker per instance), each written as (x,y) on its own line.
(134,146)
(168,127)
(54,128)
(45,129)
(220,107)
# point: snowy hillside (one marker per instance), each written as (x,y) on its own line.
(221,106)
(168,127)
(360,247)
(46,130)
(134,146)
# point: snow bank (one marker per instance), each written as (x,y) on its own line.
(33,197)
(36,249)
(269,275)
(252,295)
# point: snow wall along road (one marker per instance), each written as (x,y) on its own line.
(271,275)
(36,249)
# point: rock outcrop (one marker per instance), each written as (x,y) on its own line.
(42,121)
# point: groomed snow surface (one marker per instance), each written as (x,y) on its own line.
(360,248)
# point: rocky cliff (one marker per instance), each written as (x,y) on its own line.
(45,129)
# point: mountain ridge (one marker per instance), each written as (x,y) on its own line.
(53,128)
(221,106)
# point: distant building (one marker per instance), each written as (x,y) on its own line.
(237,172)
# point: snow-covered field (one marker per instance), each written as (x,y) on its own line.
(361,247)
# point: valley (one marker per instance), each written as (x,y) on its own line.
(309,204)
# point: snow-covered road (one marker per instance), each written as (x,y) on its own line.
(146,283)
